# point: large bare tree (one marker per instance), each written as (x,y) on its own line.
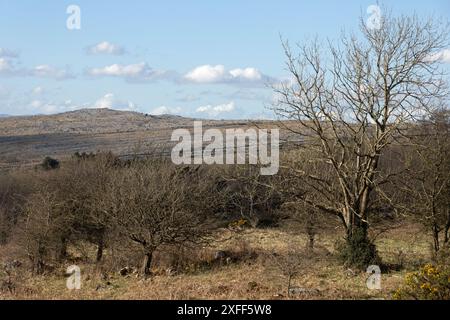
(352,100)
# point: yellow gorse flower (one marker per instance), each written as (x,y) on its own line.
(430,282)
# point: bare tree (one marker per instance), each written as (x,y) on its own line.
(43,227)
(14,188)
(426,182)
(155,204)
(253,196)
(352,103)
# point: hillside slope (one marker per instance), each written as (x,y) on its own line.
(26,140)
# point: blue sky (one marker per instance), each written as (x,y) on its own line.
(194,58)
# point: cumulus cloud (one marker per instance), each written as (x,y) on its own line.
(30,103)
(45,107)
(214,111)
(9,62)
(47,71)
(165,110)
(6,66)
(106,47)
(219,74)
(443,56)
(132,72)
(109,101)
(250,74)
(206,74)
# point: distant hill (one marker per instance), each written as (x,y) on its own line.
(87,121)
(26,140)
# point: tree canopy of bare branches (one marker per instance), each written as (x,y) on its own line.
(353,100)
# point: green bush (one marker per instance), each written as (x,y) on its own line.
(49,163)
(358,251)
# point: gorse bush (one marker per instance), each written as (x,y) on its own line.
(431,282)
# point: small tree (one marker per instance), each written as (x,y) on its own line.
(42,229)
(253,196)
(426,182)
(156,204)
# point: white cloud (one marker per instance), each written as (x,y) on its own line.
(109,101)
(136,72)
(165,110)
(8,61)
(218,74)
(43,107)
(51,109)
(106,47)
(36,104)
(47,71)
(443,55)
(214,111)
(206,74)
(118,70)
(250,74)
(6,66)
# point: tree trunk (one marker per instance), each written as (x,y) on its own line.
(147,263)
(447,228)
(360,252)
(289,285)
(63,249)
(436,239)
(100,250)
(356,224)
(311,242)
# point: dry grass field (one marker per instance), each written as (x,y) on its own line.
(254,276)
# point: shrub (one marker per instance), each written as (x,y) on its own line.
(443,255)
(357,251)
(49,163)
(431,282)
(14,187)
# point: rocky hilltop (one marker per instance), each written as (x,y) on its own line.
(87,121)
(26,140)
